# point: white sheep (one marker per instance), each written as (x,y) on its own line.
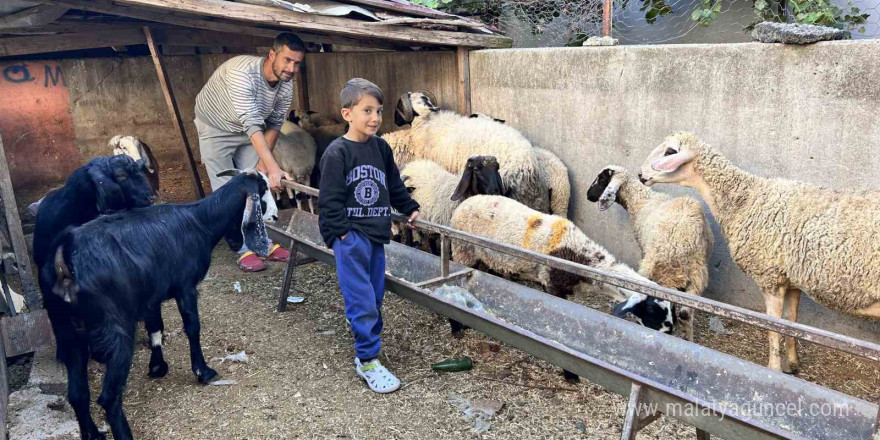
(508,221)
(399,141)
(788,236)
(449,139)
(295,153)
(439,192)
(553,172)
(673,233)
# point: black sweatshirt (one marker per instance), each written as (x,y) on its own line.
(359,184)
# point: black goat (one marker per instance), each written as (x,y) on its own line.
(117,270)
(104,184)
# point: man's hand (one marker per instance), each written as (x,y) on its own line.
(412,218)
(275,175)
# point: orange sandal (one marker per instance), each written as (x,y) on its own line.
(278,253)
(250,262)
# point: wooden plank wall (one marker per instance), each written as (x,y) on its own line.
(394,72)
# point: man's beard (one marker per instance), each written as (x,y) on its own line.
(279,73)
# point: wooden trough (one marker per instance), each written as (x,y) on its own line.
(717,393)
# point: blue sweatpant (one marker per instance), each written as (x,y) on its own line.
(360,268)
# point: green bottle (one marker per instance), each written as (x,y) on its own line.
(460,364)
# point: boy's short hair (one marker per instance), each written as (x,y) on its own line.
(355,89)
(289,40)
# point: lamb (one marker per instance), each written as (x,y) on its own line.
(439,192)
(790,237)
(553,172)
(295,153)
(104,273)
(673,233)
(449,139)
(322,136)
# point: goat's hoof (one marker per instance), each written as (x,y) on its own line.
(571,377)
(96,435)
(158,370)
(791,369)
(207,375)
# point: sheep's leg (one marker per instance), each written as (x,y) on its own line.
(311,205)
(290,194)
(792,299)
(78,392)
(115,378)
(774,301)
(189,311)
(156,328)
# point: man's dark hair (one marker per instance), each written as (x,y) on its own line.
(292,42)
(356,88)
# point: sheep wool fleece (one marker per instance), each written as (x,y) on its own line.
(360,267)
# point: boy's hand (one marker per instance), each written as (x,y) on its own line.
(412,218)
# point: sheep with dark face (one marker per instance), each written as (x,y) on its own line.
(439,192)
(673,233)
(117,270)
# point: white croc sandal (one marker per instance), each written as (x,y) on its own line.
(378,378)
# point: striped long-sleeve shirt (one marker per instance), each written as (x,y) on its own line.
(238,99)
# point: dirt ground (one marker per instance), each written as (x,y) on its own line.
(300,380)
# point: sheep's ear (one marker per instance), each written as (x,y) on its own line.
(609,196)
(228,173)
(465,183)
(109,194)
(672,162)
(622,308)
(474,115)
(500,121)
(252,227)
(599,184)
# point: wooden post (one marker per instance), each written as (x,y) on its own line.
(464,81)
(606,18)
(4,390)
(632,413)
(13,222)
(302,89)
(165,82)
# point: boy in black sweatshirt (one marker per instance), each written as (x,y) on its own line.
(360,183)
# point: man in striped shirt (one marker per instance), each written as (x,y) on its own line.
(239,113)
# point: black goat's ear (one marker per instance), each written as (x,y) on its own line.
(231,172)
(252,227)
(109,194)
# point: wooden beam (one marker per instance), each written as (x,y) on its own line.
(13,221)
(606,18)
(302,90)
(219,25)
(35,16)
(312,22)
(464,81)
(165,82)
(401,8)
(13,46)
(183,36)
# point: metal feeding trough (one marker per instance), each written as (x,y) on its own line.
(717,393)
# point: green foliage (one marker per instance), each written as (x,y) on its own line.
(817,12)
(434,4)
